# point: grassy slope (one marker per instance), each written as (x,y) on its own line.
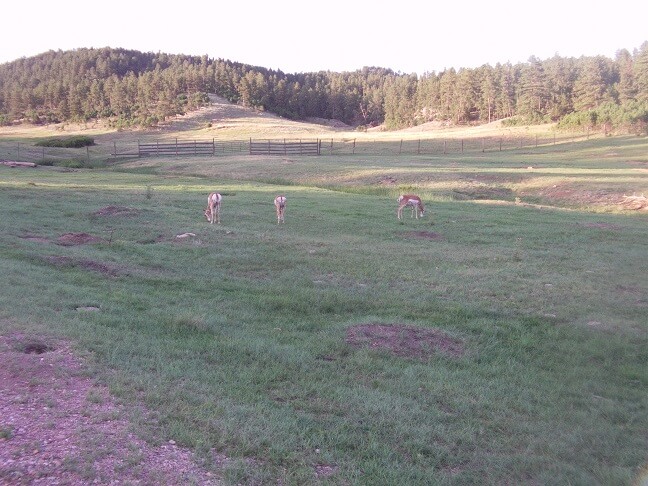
(236,338)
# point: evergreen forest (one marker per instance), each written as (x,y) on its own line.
(131,88)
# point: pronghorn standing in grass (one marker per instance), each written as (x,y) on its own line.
(280,204)
(212,212)
(410,200)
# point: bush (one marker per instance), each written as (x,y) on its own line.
(67,142)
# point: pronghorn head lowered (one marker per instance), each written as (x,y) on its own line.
(280,205)
(412,201)
(212,212)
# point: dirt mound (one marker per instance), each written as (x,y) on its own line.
(72,239)
(65,261)
(405,341)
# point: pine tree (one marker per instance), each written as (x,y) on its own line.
(641,72)
(591,85)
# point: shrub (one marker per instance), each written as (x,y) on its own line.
(78,141)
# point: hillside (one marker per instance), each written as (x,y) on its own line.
(132,89)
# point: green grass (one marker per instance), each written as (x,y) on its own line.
(235,338)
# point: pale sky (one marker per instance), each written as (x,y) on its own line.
(407,36)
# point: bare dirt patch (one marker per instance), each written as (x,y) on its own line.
(73,239)
(57,426)
(405,341)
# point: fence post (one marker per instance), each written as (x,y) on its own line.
(418,150)
(139,150)
(43,157)
(331,147)
(354,140)
(400,149)
(500,144)
(444,146)
(483,143)
(115,150)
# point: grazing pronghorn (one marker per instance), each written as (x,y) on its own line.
(213,207)
(280,204)
(410,200)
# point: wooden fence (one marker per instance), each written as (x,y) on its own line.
(275,147)
(186,147)
(98,155)
(177,148)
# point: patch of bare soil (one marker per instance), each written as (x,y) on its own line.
(426,235)
(57,426)
(405,341)
(115,211)
(72,239)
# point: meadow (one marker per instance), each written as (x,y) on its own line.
(501,339)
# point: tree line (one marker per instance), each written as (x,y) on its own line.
(132,88)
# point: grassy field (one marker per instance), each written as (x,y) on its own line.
(517,309)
